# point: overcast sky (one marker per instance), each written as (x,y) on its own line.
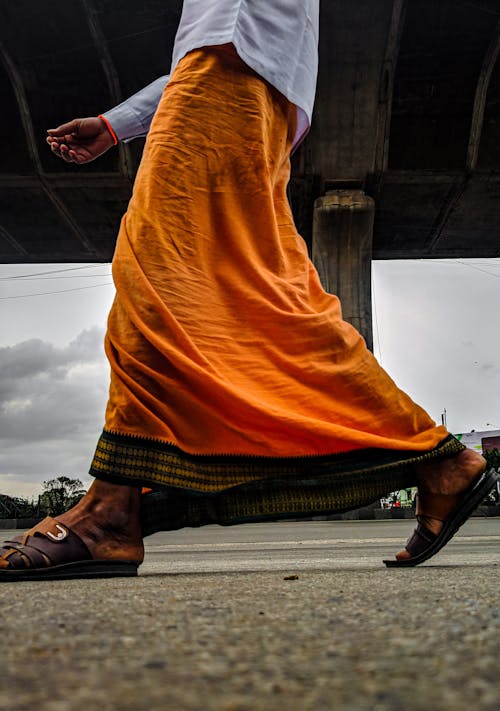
(435,328)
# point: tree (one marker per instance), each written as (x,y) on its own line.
(16,507)
(60,494)
(492,456)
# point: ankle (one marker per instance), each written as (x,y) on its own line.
(107,519)
(105,500)
(450,476)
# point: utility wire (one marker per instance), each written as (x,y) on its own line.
(109,40)
(63,291)
(54,271)
(481,8)
(478,269)
(454,262)
(71,276)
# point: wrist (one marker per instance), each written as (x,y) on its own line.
(109,128)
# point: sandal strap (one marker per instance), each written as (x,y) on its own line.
(49,543)
(420,540)
(436,506)
(22,556)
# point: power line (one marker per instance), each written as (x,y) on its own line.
(487,262)
(478,269)
(110,40)
(455,262)
(63,291)
(481,8)
(53,271)
(56,278)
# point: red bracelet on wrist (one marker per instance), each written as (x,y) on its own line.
(109,127)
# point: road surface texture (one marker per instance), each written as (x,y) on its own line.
(294,616)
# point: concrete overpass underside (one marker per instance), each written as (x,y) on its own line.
(403,160)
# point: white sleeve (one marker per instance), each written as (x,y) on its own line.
(132,118)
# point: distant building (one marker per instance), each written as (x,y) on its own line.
(481,441)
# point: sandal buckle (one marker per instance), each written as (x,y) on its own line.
(60,536)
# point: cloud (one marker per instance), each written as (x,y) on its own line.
(52,404)
(435,332)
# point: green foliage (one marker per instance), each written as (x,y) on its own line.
(17,507)
(492,456)
(59,495)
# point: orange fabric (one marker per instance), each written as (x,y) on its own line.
(221,339)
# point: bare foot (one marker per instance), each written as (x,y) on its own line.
(440,486)
(107,521)
(451,476)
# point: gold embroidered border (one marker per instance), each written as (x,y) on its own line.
(132,459)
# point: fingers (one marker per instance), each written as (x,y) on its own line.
(55,146)
(63,150)
(71,128)
(80,140)
(59,140)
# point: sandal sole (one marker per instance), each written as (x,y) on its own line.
(70,571)
(471,501)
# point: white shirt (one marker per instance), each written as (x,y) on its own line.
(276,38)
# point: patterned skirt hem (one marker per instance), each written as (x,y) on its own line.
(195,490)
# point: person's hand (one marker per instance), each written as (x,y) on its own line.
(80,140)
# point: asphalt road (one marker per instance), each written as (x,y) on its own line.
(321,545)
(296,615)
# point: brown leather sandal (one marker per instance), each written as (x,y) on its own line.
(52,551)
(423,544)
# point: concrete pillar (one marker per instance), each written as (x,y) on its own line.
(342,253)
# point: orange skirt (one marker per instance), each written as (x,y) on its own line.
(226,353)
